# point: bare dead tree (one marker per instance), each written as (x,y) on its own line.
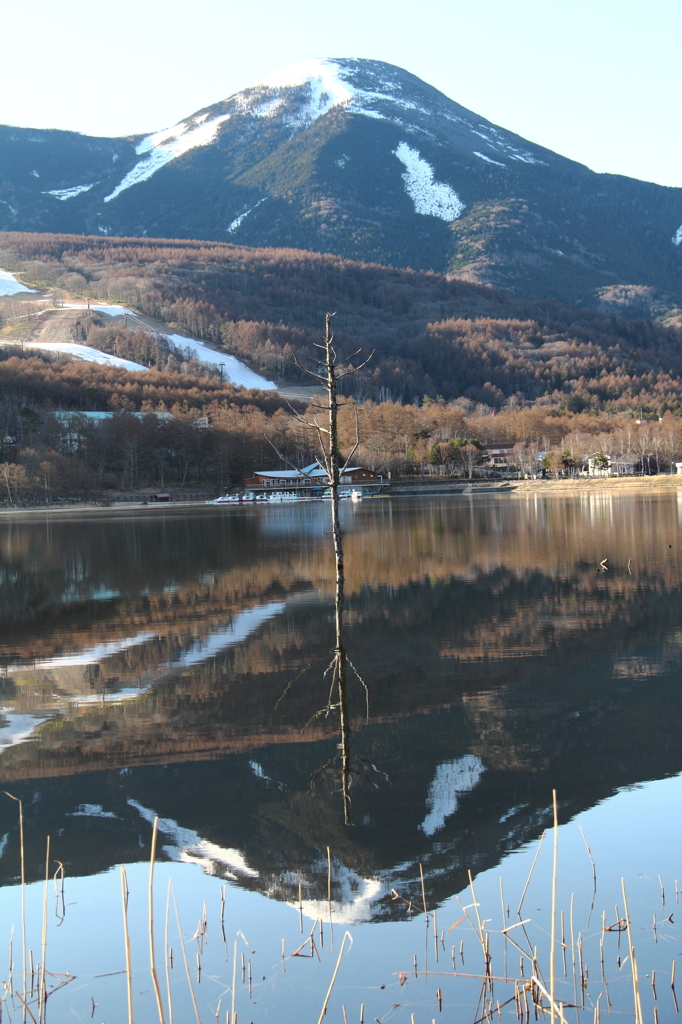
(331,371)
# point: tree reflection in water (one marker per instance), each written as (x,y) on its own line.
(332,370)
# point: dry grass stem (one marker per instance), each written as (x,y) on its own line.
(126,939)
(346,935)
(43,946)
(168,956)
(23,894)
(633,963)
(184,957)
(552,952)
(530,874)
(152,958)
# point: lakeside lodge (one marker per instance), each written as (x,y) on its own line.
(312,478)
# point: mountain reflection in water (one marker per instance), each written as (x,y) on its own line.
(143,657)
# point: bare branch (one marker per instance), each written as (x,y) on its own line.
(296,678)
(310,373)
(365,686)
(285,459)
(319,771)
(355,446)
(348,358)
(323,711)
(355,369)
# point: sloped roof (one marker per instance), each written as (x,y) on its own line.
(314,471)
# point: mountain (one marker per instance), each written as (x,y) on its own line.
(364,160)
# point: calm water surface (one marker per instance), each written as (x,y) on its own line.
(142,659)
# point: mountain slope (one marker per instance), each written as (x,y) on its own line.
(431,335)
(366,161)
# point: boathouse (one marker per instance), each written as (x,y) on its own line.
(312,478)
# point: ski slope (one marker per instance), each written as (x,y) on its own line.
(234,371)
(10,286)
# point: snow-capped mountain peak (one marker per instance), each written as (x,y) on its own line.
(361,159)
(324,80)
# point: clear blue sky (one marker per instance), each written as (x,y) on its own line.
(595,80)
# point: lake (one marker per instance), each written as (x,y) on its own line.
(171,664)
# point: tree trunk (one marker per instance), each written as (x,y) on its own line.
(339,647)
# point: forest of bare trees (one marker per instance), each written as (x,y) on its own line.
(432,335)
(215,444)
(456,366)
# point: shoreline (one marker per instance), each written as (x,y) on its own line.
(654,484)
(660,484)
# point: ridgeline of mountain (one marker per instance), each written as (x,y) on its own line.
(363,160)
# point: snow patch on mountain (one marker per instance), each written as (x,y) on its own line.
(357,896)
(451,779)
(10,286)
(677,237)
(327,87)
(69,193)
(100,307)
(366,96)
(357,109)
(526,158)
(498,145)
(238,220)
(188,847)
(164,146)
(489,159)
(233,369)
(87,354)
(430,197)
(242,626)
(267,109)
(91,655)
(92,811)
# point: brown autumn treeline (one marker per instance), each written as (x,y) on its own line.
(432,335)
(221,436)
(42,380)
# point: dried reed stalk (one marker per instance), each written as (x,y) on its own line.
(234,979)
(23,893)
(184,957)
(633,963)
(530,874)
(421,873)
(152,958)
(43,945)
(126,938)
(346,935)
(166,954)
(329,895)
(552,959)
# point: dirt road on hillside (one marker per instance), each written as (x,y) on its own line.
(51,327)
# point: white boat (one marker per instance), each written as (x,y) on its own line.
(355,495)
(227,499)
(344,494)
(232,499)
(276,497)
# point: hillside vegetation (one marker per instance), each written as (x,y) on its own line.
(452,361)
(432,335)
